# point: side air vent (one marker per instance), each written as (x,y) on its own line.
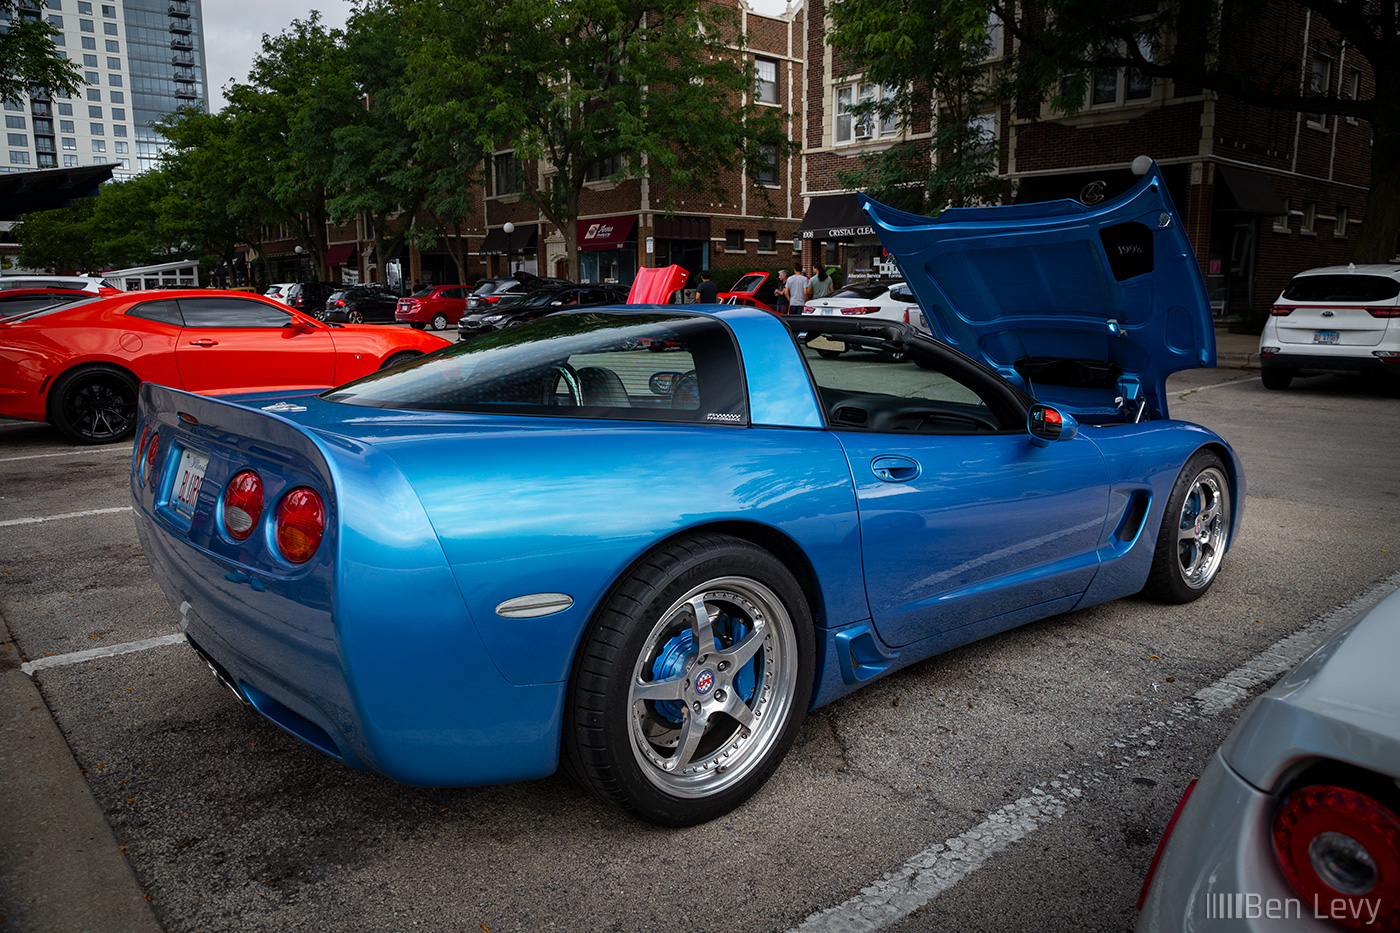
(851,416)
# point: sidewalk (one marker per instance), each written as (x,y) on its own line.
(1236,351)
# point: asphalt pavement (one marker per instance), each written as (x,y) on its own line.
(61,866)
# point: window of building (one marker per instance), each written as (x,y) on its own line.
(118,97)
(99,160)
(94,94)
(43,127)
(767,241)
(765,80)
(1339,230)
(849,127)
(95,129)
(66,126)
(85,25)
(109,28)
(59,39)
(123,163)
(70,143)
(14,123)
(994,36)
(55,21)
(118,113)
(768,173)
(733,241)
(14,105)
(1354,90)
(84,7)
(1309,217)
(99,145)
(109,11)
(19,158)
(118,130)
(89,43)
(90,61)
(120,147)
(92,77)
(113,63)
(1115,86)
(1319,83)
(70,161)
(986,126)
(114,80)
(94,112)
(65,110)
(602,171)
(507,174)
(113,45)
(17,139)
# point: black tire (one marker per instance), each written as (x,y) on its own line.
(1275,378)
(1194,533)
(94,404)
(639,753)
(355,317)
(395,359)
(439,322)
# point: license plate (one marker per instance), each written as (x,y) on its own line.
(826,310)
(1326,336)
(188,478)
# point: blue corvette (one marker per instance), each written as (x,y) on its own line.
(647,540)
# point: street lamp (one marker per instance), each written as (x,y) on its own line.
(509,228)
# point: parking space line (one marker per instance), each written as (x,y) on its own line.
(124,451)
(53,518)
(107,651)
(929,873)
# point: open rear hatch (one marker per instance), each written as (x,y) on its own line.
(1086,308)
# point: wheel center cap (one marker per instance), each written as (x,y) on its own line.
(704,682)
(1200,528)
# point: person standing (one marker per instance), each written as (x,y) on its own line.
(821,282)
(797,291)
(780,303)
(708,291)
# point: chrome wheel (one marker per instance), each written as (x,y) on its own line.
(439,321)
(712,687)
(1203,527)
(354,317)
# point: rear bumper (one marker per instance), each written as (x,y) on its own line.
(1355,361)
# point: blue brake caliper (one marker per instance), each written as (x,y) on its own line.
(679,650)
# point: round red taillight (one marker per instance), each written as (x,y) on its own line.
(243,504)
(301,523)
(150,467)
(1340,850)
(141,446)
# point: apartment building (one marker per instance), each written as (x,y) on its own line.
(140,60)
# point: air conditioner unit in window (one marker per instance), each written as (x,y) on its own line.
(865,131)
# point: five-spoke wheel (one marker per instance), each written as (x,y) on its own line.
(1194,533)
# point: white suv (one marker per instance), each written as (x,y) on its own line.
(1337,319)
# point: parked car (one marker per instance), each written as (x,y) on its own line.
(512,312)
(1336,319)
(1299,810)
(279,291)
(887,301)
(559,581)
(489,291)
(84,283)
(309,298)
(19,300)
(362,304)
(435,307)
(745,291)
(78,365)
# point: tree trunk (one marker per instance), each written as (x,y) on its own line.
(1380,228)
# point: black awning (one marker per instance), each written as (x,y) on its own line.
(47,189)
(1252,191)
(521,241)
(835,217)
(1096,186)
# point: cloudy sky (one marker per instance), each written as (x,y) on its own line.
(233,31)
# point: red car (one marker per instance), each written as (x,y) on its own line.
(78,365)
(436,307)
(745,291)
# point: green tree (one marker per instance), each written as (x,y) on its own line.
(61,240)
(910,50)
(28,57)
(630,87)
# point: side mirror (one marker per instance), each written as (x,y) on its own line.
(1046,424)
(664,383)
(300,325)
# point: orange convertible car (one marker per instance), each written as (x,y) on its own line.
(77,366)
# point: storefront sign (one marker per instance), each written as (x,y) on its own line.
(839,233)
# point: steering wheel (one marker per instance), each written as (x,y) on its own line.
(562,372)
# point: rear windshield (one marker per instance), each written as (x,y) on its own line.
(626,365)
(487,288)
(1342,288)
(863,291)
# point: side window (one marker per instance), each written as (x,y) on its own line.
(232,312)
(864,389)
(167,312)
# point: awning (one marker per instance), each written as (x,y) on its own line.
(340,254)
(834,217)
(1252,191)
(44,190)
(605,233)
(520,241)
(682,228)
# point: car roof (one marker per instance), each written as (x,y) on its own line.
(1387,269)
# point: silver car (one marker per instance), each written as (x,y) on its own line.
(1293,825)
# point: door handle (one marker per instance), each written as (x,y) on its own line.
(891,469)
(204,342)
